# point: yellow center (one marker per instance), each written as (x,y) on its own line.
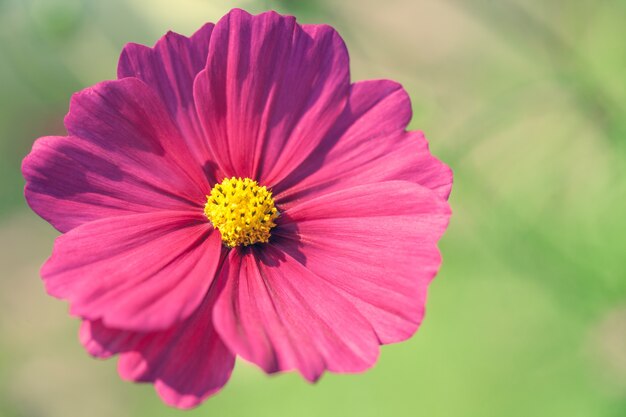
(242,211)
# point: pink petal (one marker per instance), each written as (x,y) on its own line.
(140,272)
(70,181)
(276,313)
(125,156)
(187,363)
(376,244)
(368,144)
(270,92)
(170,68)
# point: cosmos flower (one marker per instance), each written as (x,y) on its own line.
(233,194)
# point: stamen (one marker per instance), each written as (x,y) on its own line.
(242,210)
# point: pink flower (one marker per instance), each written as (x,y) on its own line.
(232,193)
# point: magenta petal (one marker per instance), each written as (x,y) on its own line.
(270,92)
(70,181)
(187,363)
(170,68)
(126,116)
(368,144)
(276,313)
(376,244)
(142,271)
(126,156)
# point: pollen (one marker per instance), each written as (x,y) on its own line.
(242,210)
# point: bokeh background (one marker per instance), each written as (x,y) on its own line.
(525,100)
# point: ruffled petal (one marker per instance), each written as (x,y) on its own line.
(270,92)
(276,313)
(375,244)
(368,144)
(187,363)
(170,68)
(124,156)
(141,272)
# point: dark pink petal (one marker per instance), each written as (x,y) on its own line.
(128,117)
(368,144)
(276,313)
(376,244)
(270,92)
(125,156)
(170,68)
(187,363)
(70,181)
(141,272)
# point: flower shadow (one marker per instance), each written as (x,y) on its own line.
(287,242)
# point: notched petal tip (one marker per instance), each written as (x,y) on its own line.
(141,53)
(173,398)
(442,180)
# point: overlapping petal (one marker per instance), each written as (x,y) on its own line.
(270,92)
(123,155)
(187,362)
(368,144)
(376,244)
(143,271)
(170,68)
(276,313)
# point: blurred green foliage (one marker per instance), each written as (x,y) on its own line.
(524,99)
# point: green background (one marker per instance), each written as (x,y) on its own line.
(525,100)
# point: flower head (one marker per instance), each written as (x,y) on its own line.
(233,194)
